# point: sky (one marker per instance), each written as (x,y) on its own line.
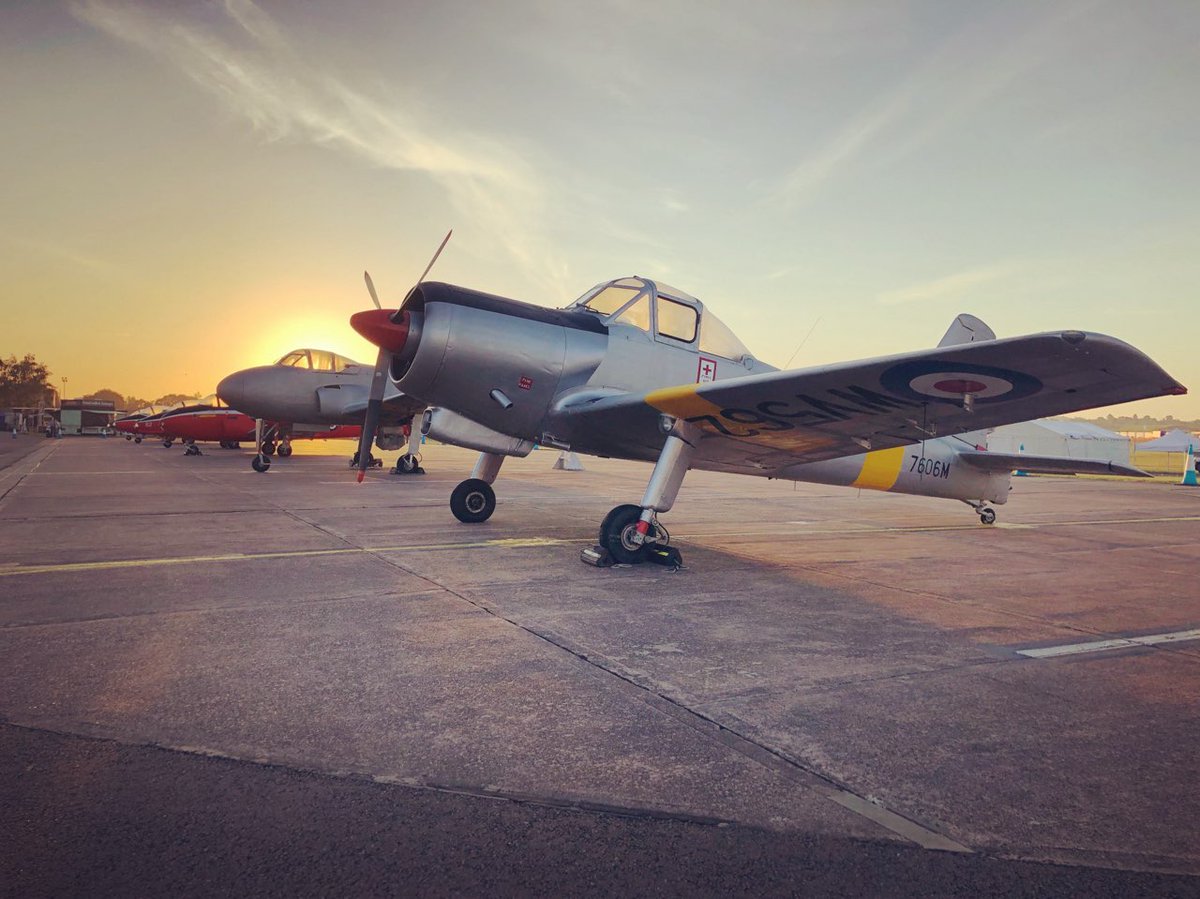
(195,187)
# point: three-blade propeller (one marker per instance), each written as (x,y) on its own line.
(389,332)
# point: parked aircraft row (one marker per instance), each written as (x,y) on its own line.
(636,369)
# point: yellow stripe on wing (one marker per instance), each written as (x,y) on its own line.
(880,469)
(682,402)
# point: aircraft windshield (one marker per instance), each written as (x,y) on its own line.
(607,298)
(295,359)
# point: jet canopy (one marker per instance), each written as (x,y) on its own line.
(316,360)
(665,312)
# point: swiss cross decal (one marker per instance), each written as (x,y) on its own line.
(706,370)
(525,383)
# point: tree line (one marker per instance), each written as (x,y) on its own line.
(26,382)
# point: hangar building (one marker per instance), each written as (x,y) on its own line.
(1075,439)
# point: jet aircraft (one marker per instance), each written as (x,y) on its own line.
(635,369)
(320,387)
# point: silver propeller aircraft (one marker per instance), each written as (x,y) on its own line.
(636,369)
(320,387)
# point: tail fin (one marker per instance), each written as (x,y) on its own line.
(966,328)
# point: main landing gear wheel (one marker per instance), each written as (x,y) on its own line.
(128,436)
(408,464)
(372,462)
(137,439)
(260,462)
(473,501)
(168,443)
(268,448)
(192,450)
(618,532)
(987,516)
(285,450)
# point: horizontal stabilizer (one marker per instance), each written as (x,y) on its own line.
(1048,464)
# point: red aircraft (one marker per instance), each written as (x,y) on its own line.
(228,427)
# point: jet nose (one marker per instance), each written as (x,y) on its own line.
(232,390)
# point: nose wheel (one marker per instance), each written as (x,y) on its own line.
(987,516)
(408,464)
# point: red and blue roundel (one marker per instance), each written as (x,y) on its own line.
(950,381)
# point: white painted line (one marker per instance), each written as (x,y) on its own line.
(1071,649)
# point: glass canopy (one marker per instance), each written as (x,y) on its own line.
(662,310)
(316,360)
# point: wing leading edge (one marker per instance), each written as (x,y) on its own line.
(764,422)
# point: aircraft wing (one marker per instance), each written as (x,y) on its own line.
(989,461)
(764,422)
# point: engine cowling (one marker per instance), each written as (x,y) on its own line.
(495,361)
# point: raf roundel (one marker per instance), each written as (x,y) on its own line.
(950,382)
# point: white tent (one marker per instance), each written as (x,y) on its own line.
(1074,439)
(1172,442)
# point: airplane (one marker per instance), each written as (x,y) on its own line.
(125,424)
(318,386)
(636,369)
(208,422)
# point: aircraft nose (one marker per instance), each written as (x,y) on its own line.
(232,389)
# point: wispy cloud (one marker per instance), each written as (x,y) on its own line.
(963,76)
(949,286)
(244,57)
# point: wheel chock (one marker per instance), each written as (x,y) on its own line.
(667,556)
(596,556)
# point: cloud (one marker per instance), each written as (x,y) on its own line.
(949,286)
(244,57)
(963,76)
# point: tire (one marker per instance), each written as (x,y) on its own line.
(137,439)
(260,463)
(268,448)
(407,464)
(987,516)
(167,443)
(473,501)
(285,450)
(615,533)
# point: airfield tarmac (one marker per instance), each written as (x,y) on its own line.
(212,679)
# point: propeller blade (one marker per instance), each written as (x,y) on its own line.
(374,407)
(441,246)
(371,290)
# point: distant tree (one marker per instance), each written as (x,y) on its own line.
(133,403)
(23,382)
(107,395)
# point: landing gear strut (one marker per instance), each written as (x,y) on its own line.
(410,462)
(473,501)
(987,515)
(631,534)
(261,460)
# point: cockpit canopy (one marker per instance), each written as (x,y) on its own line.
(316,360)
(663,311)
